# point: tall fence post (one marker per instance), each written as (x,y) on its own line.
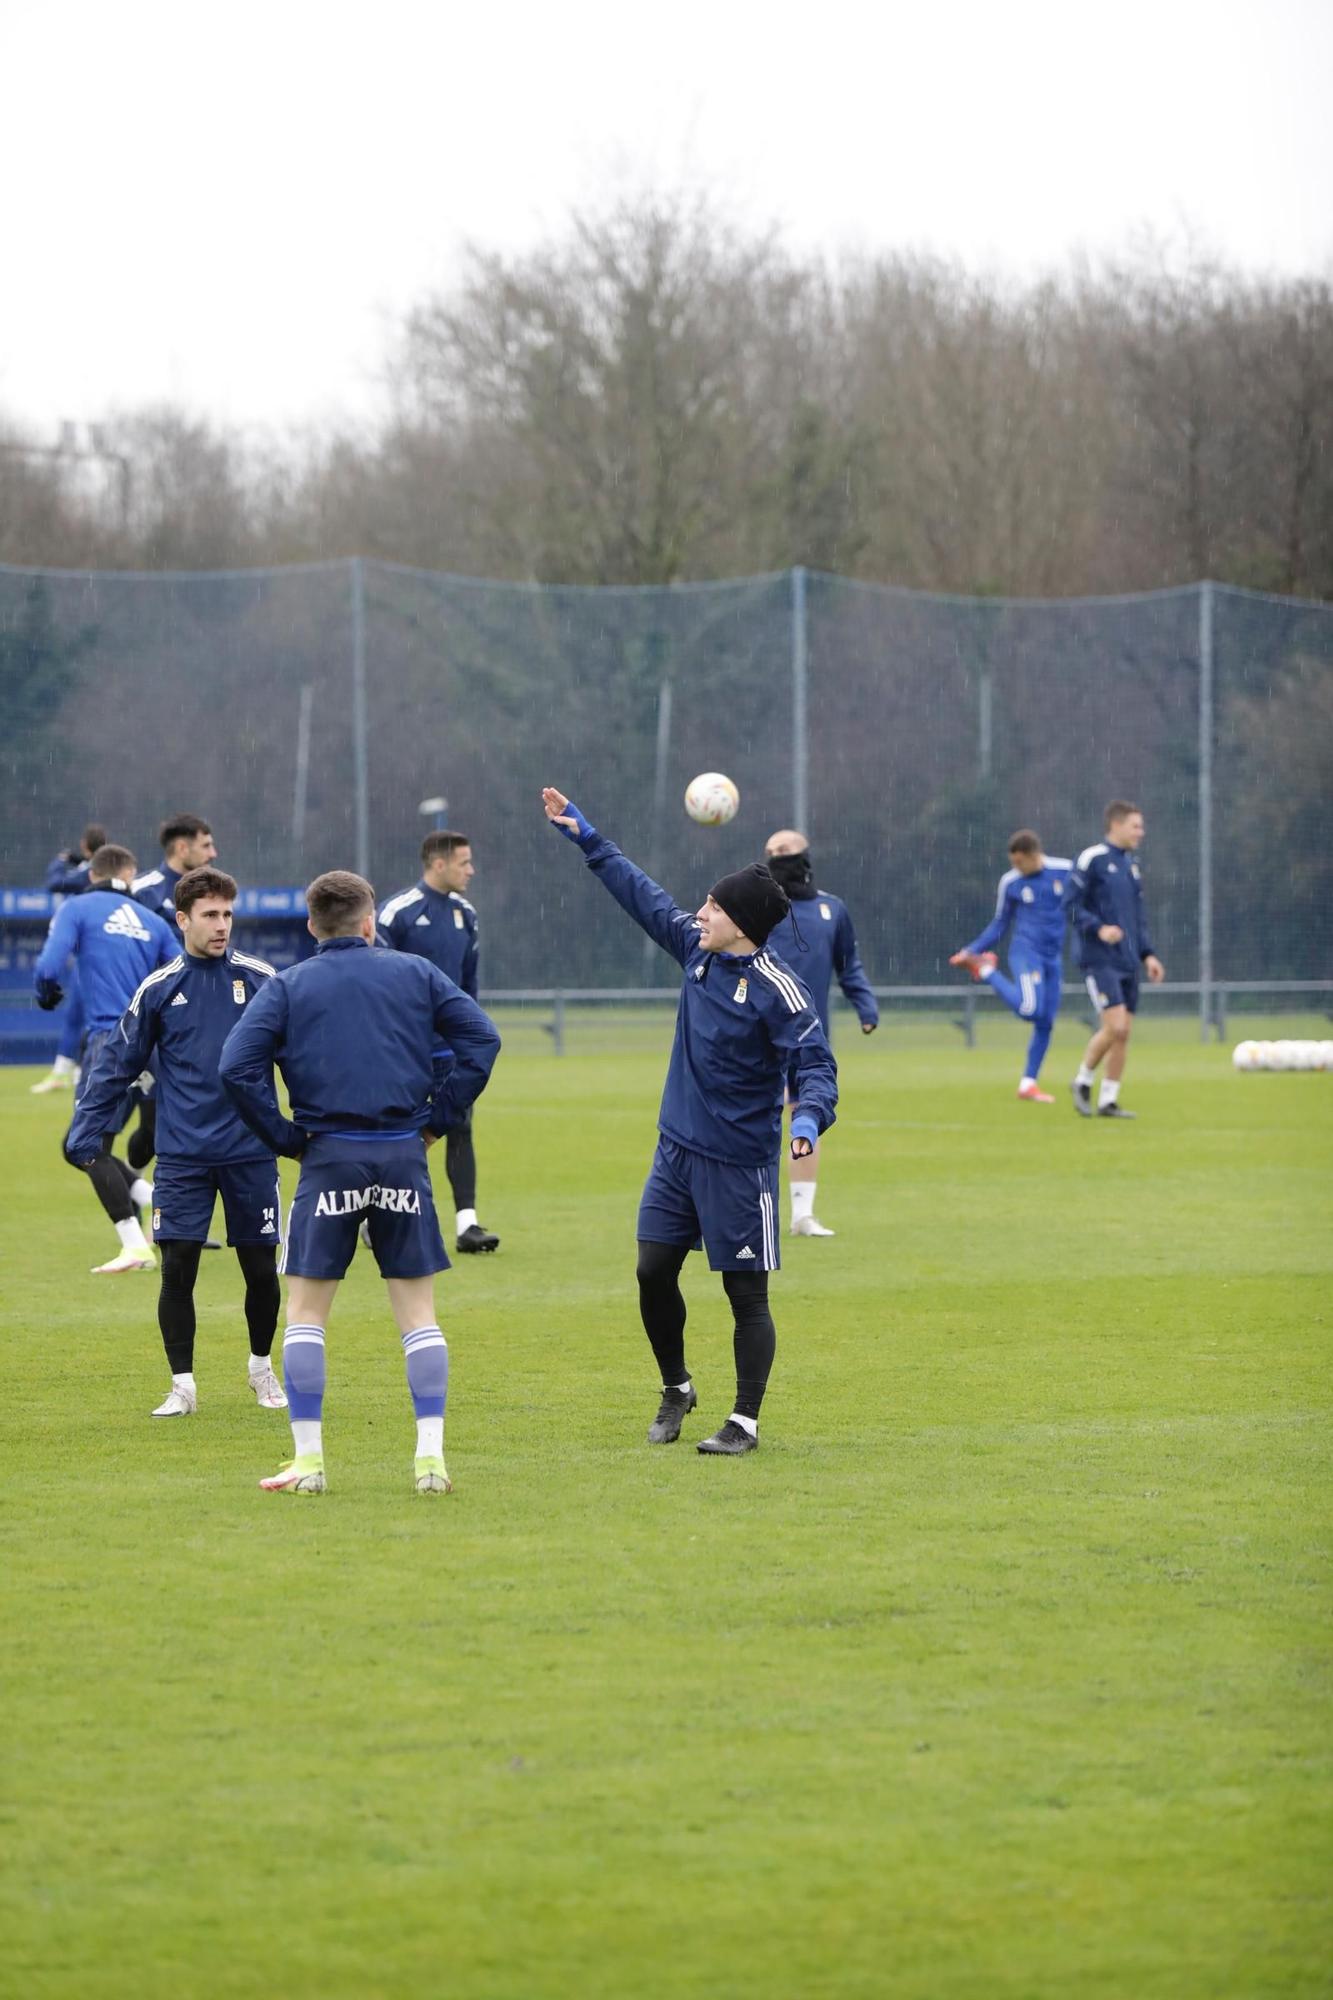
(1205,808)
(800,737)
(360,754)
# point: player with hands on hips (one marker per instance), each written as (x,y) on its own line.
(1111,942)
(744,1022)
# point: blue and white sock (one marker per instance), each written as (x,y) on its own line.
(303,1374)
(427,1356)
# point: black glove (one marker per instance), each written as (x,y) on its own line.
(50,993)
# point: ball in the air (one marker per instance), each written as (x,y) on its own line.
(711,799)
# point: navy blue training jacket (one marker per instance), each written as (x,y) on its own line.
(1107,888)
(179,1019)
(740,1023)
(352,1030)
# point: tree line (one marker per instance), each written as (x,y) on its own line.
(656,396)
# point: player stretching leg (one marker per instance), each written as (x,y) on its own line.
(1031,898)
(744,1020)
(824,945)
(179,1018)
(115,944)
(1110,943)
(353,1031)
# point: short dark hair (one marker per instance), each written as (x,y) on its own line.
(442,843)
(110,863)
(1025,841)
(182,826)
(93,837)
(201,882)
(1118,809)
(337,902)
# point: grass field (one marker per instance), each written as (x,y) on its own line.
(1000,1670)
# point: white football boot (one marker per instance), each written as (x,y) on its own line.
(807,1226)
(268,1390)
(180,1403)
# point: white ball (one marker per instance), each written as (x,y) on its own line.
(1245,1055)
(1326,1055)
(1283,1054)
(711,799)
(1263,1055)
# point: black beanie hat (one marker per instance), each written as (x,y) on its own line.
(753,901)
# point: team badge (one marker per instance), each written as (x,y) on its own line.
(458,920)
(742,988)
(238,992)
(157,1220)
(1058,888)
(826,913)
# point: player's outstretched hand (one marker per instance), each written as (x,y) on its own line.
(1154,968)
(801,1149)
(564,815)
(959,958)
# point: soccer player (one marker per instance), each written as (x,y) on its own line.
(115,943)
(180,1016)
(436,920)
(187,842)
(353,1032)
(67,875)
(824,944)
(744,1023)
(1031,898)
(1111,942)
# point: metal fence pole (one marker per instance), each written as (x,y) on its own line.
(1205,808)
(360,753)
(800,738)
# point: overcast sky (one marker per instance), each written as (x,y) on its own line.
(228,205)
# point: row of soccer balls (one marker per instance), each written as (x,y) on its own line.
(1283,1055)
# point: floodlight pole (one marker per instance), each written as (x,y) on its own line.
(360,763)
(800,742)
(1205,809)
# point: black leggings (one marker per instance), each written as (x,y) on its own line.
(175,1301)
(662,1309)
(113,1180)
(460,1164)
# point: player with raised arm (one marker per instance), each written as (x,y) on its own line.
(67,875)
(824,946)
(180,1016)
(115,944)
(1111,942)
(435,920)
(353,1031)
(743,1024)
(1031,899)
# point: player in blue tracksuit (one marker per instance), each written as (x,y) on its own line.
(818,939)
(115,943)
(1031,901)
(435,920)
(743,1022)
(1111,942)
(179,1018)
(353,1031)
(187,843)
(67,875)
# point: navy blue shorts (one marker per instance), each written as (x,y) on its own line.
(1109,988)
(386,1182)
(184,1193)
(688,1199)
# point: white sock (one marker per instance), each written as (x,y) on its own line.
(64,1066)
(684,1386)
(802,1200)
(750,1424)
(430,1437)
(465,1219)
(1026,1081)
(130,1234)
(1109,1092)
(307,1437)
(1085,1077)
(185,1382)
(260,1362)
(988,972)
(141,1193)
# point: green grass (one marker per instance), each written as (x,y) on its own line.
(1001,1669)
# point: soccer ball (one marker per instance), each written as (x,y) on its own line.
(711,799)
(1245,1055)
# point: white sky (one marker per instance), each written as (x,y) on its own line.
(228,205)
